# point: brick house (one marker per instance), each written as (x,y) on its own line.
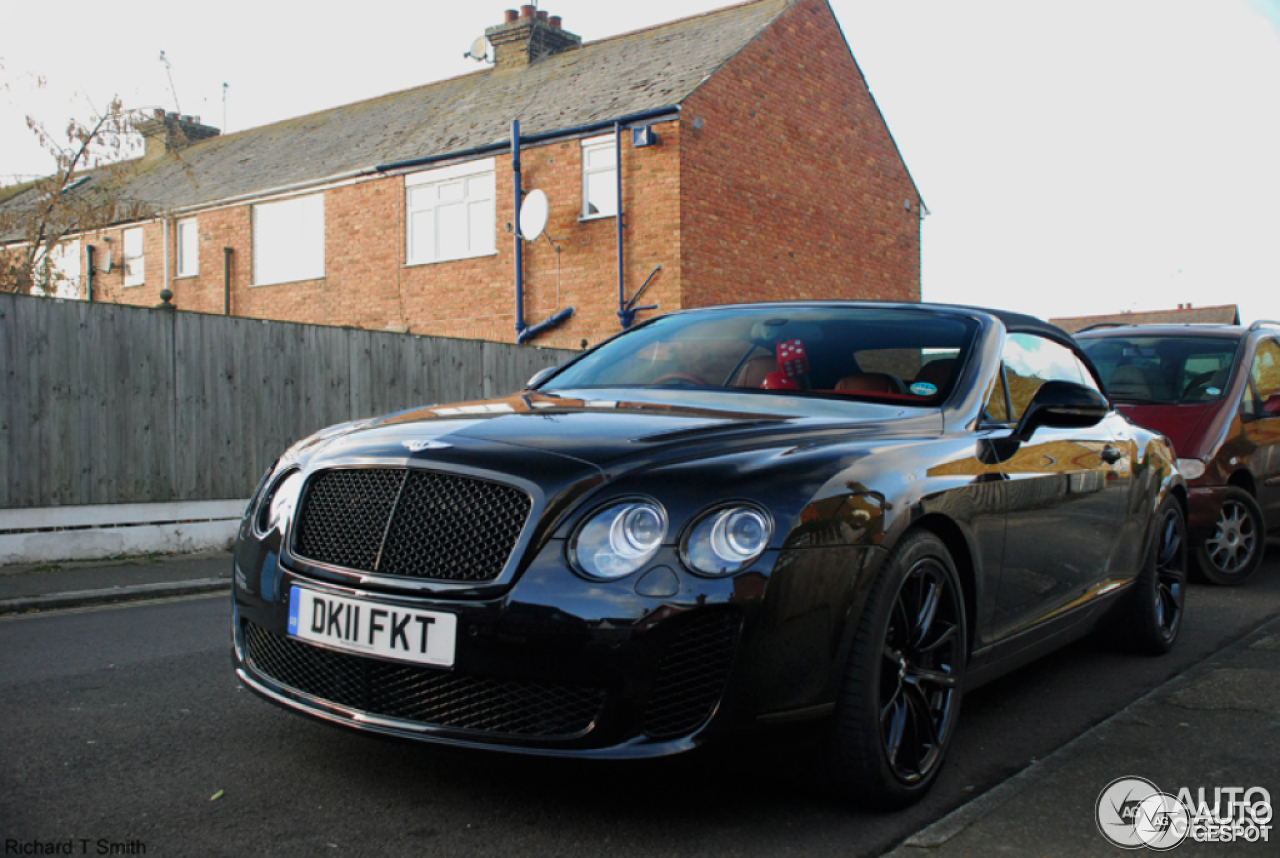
(751,159)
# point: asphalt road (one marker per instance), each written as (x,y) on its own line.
(119,726)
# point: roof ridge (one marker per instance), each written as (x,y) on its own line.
(685,19)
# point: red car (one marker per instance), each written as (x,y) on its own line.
(1214,391)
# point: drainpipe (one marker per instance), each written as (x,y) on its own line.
(524,333)
(226,281)
(88,272)
(519,249)
(622,288)
(165,221)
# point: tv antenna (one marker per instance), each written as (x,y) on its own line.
(168,70)
(479,50)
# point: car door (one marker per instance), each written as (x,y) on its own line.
(1067,490)
(1262,427)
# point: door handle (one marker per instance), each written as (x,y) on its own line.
(1111,455)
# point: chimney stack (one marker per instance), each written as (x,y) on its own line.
(165,133)
(527,36)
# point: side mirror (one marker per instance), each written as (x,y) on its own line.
(540,376)
(1063,404)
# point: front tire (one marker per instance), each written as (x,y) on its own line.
(1234,550)
(904,679)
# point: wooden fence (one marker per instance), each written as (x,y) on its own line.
(108,404)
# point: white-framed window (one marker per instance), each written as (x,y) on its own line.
(134,262)
(449,212)
(288,240)
(188,247)
(61,277)
(599,177)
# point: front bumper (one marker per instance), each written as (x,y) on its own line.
(647,666)
(1203,505)
(556,665)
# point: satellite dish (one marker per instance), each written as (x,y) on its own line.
(479,50)
(533,215)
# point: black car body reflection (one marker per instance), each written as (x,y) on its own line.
(830,512)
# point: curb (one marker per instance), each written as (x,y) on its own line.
(137,592)
(967,815)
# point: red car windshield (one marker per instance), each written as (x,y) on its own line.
(1164,370)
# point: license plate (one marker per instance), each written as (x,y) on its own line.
(372,628)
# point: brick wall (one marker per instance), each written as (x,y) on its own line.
(779,181)
(368,285)
(792,186)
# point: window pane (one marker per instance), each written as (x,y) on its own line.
(450,212)
(602,194)
(1266,369)
(134,263)
(188,248)
(1030,361)
(422,236)
(451,231)
(288,240)
(481,226)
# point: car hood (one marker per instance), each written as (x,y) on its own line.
(517,434)
(1183,425)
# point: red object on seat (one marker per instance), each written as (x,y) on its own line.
(778,380)
(793,360)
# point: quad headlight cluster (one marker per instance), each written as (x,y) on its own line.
(621,538)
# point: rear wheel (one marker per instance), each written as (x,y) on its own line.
(1234,550)
(1152,616)
(904,679)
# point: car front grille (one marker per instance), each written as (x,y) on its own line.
(692,674)
(425,695)
(412,523)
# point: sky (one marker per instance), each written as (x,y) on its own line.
(1075,158)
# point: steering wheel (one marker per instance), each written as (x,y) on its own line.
(1198,385)
(678,377)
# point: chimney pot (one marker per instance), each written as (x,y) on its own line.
(542,16)
(510,16)
(554,21)
(526,11)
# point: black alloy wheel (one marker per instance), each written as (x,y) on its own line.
(1234,550)
(1153,617)
(901,700)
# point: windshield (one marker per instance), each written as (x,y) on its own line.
(891,355)
(1163,370)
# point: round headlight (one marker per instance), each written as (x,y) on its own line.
(277,507)
(727,540)
(618,540)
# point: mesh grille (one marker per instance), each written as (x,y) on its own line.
(442,526)
(692,675)
(425,695)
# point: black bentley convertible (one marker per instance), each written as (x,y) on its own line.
(845,513)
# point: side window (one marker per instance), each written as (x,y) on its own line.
(188,248)
(134,263)
(288,240)
(599,177)
(997,408)
(1030,361)
(1265,373)
(450,213)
